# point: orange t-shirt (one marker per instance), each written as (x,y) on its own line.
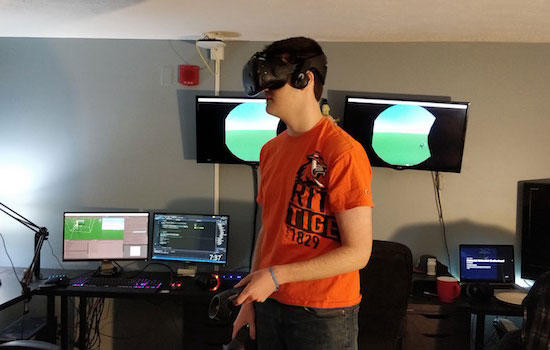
(304,181)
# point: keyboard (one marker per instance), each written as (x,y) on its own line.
(109,284)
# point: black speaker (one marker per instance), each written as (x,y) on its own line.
(423,287)
(207,280)
(479,292)
(533,225)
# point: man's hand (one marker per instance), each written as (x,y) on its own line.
(245,317)
(259,286)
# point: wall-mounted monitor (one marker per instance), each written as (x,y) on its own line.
(190,238)
(232,130)
(409,134)
(105,236)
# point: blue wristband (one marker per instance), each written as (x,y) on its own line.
(274,279)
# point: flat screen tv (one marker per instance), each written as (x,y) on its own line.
(232,130)
(408,134)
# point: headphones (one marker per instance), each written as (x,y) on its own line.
(273,72)
(479,292)
(299,78)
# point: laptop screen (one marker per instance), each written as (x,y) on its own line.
(487,263)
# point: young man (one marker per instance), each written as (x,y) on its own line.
(303,290)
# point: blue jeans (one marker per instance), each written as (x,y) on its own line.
(284,327)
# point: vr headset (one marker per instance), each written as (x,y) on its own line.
(268,72)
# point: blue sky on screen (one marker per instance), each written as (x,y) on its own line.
(404,119)
(250,116)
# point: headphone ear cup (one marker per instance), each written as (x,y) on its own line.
(300,80)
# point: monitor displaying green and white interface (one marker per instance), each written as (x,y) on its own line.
(408,134)
(105,236)
(232,130)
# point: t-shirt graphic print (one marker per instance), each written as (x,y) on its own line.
(307,221)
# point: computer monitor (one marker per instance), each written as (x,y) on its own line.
(232,130)
(190,238)
(408,134)
(105,236)
(487,263)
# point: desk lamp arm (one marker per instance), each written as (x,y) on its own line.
(19,218)
(40,235)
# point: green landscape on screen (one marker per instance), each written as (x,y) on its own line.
(247,128)
(401,149)
(400,134)
(246,144)
(81,229)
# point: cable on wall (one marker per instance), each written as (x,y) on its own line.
(203,59)
(184,60)
(55,256)
(437,187)
(216,47)
(9,257)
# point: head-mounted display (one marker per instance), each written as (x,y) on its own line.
(267,72)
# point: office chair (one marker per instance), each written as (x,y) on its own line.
(535,332)
(385,285)
(29,345)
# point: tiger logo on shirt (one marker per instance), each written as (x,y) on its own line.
(307,222)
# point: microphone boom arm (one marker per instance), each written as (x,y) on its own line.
(40,235)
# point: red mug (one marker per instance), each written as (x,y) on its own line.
(448,289)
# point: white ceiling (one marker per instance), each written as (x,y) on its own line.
(336,20)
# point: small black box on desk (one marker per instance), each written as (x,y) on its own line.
(424,285)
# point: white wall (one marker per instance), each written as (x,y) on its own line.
(90,124)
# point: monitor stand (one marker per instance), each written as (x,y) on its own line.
(187,271)
(107,269)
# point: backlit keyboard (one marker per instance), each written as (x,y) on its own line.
(108,282)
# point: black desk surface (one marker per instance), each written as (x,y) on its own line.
(11,291)
(490,307)
(190,291)
(431,303)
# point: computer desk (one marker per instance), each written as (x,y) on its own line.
(11,294)
(430,305)
(490,307)
(190,294)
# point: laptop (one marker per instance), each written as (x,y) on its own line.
(487,263)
